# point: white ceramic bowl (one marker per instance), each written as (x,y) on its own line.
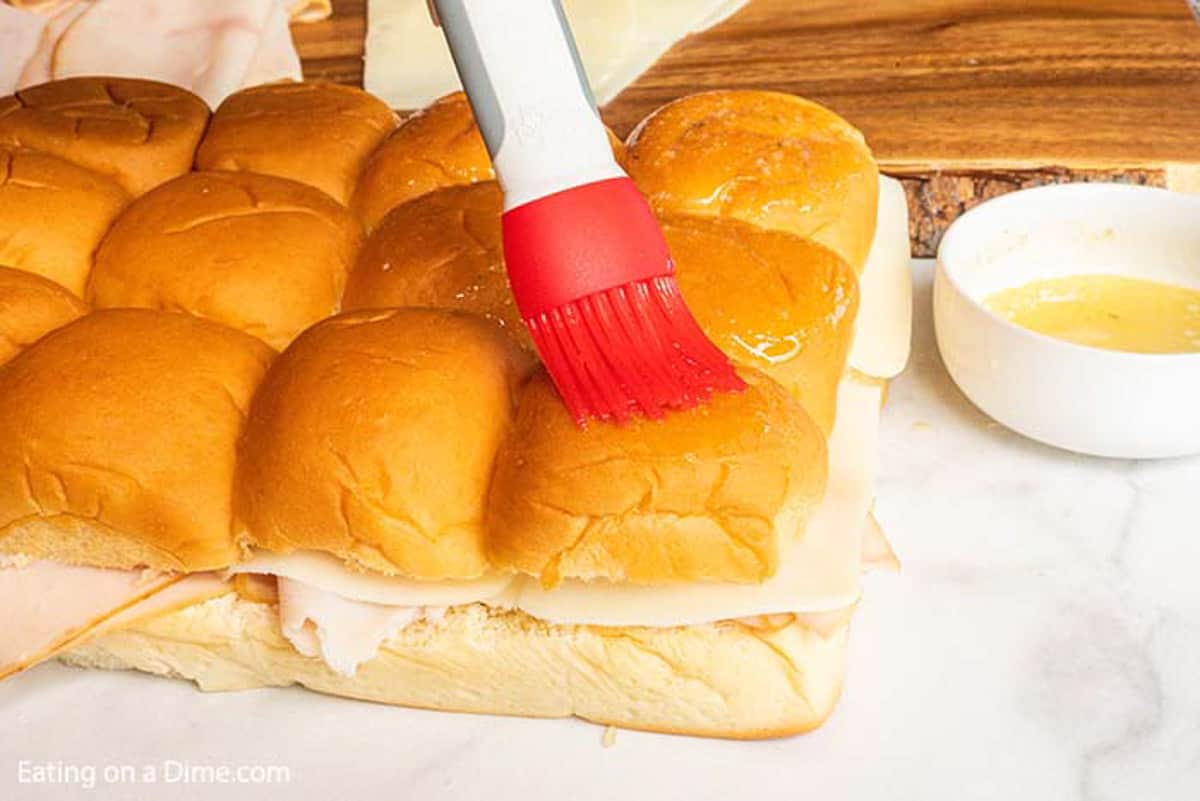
(1101,402)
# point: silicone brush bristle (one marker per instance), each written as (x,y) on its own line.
(634,349)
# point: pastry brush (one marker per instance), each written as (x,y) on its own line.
(589,267)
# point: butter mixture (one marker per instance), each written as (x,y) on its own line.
(1106,311)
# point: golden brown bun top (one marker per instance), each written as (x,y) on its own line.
(52,215)
(772,159)
(140,133)
(771,300)
(441,250)
(263,254)
(127,420)
(437,147)
(373,437)
(31,306)
(317,133)
(705,494)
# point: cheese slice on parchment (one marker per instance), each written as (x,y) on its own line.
(409,66)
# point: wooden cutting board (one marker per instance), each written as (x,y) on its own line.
(961,99)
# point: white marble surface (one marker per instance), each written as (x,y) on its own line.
(1043,642)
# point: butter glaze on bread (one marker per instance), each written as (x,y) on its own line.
(319,134)
(117,441)
(139,133)
(771,159)
(266,255)
(771,300)
(441,250)
(707,494)
(53,214)
(373,437)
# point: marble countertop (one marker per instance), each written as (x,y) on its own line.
(1042,642)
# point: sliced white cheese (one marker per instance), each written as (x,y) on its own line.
(409,66)
(819,571)
(326,572)
(47,605)
(884,329)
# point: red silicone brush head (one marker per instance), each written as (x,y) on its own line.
(594,281)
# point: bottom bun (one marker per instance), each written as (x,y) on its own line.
(720,680)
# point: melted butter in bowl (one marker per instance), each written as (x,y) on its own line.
(1113,312)
(1071,314)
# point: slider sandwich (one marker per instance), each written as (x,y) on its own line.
(397,507)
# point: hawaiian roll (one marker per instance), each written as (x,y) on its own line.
(139,133)
(441,250)
(771,300)
(436,147)
(772,159)
(53,214)
(31,306)
(317,133)
(118,436)
(706,494)
(373,438)
(266,255)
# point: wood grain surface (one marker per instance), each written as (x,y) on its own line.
(963,99)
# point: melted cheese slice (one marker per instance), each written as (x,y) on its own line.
(882,340)
(408,64)
(325,572)
(48,606)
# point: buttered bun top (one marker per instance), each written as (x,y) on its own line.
(441,250)
(373,437)
(31,306)
(139,133)
(266,255)
(117,440)
(320,134)
(771,159)
(771,300)
(707,494)
(52,215)
(436,147)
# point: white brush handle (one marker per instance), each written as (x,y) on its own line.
(518,64)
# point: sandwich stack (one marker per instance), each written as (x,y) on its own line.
(268,415)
